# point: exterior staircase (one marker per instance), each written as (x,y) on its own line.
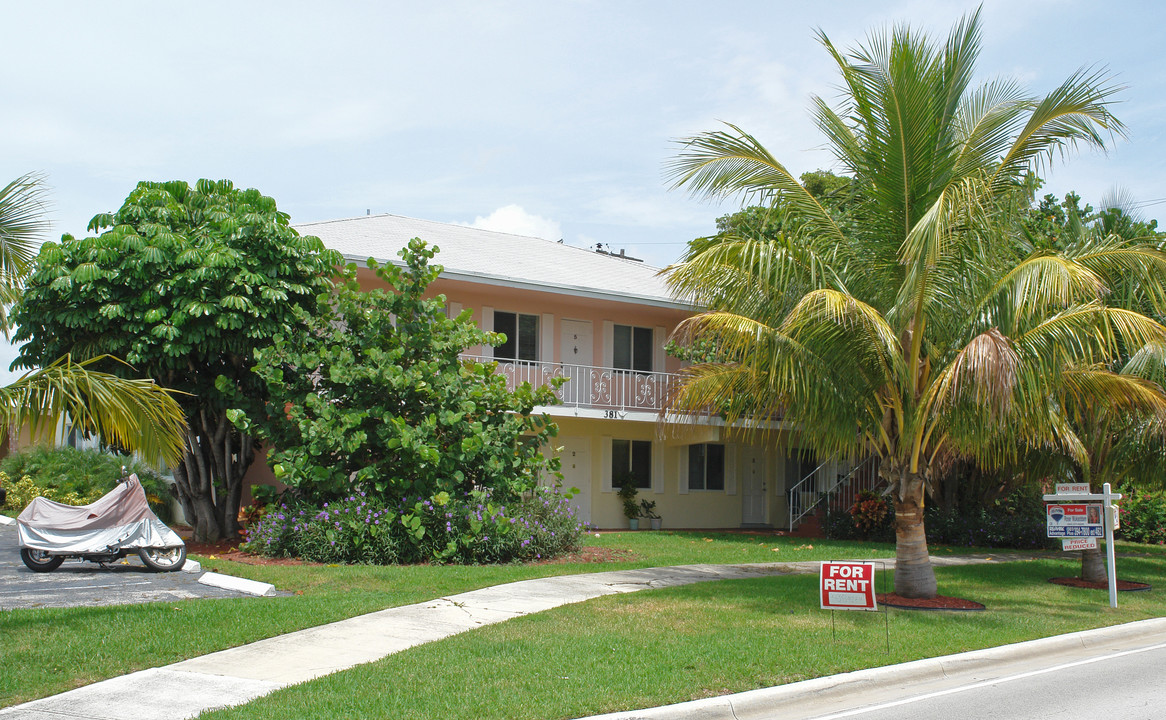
(808,502)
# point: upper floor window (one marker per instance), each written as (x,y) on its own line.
(631,459)
(521,336)
(632,348)
(706,467)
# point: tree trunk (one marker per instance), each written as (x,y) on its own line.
(914,576)
(1093,566)
(209,482)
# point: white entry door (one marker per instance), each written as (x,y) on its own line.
(576,460)
(575,354)
(753,487)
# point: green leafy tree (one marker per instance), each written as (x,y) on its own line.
(184,283)
(368,392)
(924,328)
(135,414)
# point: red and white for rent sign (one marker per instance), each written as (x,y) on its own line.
(847,586)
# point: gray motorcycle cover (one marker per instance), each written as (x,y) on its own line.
(120,519)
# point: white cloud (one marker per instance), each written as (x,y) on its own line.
(513,219)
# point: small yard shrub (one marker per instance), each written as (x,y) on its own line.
(441,529)
(1143,517)
(78,477)
(870,517)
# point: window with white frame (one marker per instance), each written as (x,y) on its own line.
(706,466)
(521,333)
(632,348)
(631,460)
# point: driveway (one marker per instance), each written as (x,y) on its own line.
(78,584)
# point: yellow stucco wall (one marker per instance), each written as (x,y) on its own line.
(678,506)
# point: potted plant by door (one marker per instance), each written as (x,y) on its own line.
(648,510)
(631,510)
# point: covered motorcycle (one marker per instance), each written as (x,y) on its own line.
(108,529)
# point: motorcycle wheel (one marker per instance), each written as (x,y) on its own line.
(163,559)
(40,560)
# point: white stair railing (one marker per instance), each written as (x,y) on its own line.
(808,493)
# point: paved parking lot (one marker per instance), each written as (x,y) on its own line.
(77,583)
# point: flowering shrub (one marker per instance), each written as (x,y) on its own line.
(21,492)
(1143,517)
(443,529)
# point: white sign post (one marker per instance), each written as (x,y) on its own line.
(1072,521)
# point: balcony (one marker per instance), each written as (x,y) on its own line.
(591,387)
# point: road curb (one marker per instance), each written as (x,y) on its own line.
(986,663)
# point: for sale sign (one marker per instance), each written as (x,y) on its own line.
(1073,520)
(847,586)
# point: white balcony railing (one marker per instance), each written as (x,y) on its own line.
(591,387)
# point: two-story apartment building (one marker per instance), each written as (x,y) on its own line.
(602,322)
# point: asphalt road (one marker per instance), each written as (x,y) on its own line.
(78,584)
(1124,685)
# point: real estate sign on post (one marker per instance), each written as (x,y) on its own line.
(1074,520)
(847,586)
(1079,517)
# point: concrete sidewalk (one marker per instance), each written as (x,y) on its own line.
(238,675)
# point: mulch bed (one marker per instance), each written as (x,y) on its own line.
(1122,585)
(939,602)
(229,550)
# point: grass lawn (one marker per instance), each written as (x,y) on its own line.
(615,652)
(663,646)
(49,650)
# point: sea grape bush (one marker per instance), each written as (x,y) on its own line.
(371,391)
(467,529)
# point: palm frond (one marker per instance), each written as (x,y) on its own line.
(136,415)
(1076,112)
(720,164)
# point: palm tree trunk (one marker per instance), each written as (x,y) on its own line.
(1093,566)
(914,576)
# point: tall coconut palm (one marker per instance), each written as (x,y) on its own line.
(922,327)
(133,414)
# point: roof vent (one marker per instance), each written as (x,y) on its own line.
(622,254)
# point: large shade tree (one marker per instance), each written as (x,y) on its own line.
(184,282)
(923,327)
(133,413)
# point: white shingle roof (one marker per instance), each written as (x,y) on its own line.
(496,258)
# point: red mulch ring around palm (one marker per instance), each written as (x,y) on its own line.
(939,602)
(1122,585)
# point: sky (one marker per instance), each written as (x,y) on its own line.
(552,119)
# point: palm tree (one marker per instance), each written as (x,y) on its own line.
(132,414)
(920,327)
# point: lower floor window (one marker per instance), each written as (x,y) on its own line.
(706,467)
(631,460)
